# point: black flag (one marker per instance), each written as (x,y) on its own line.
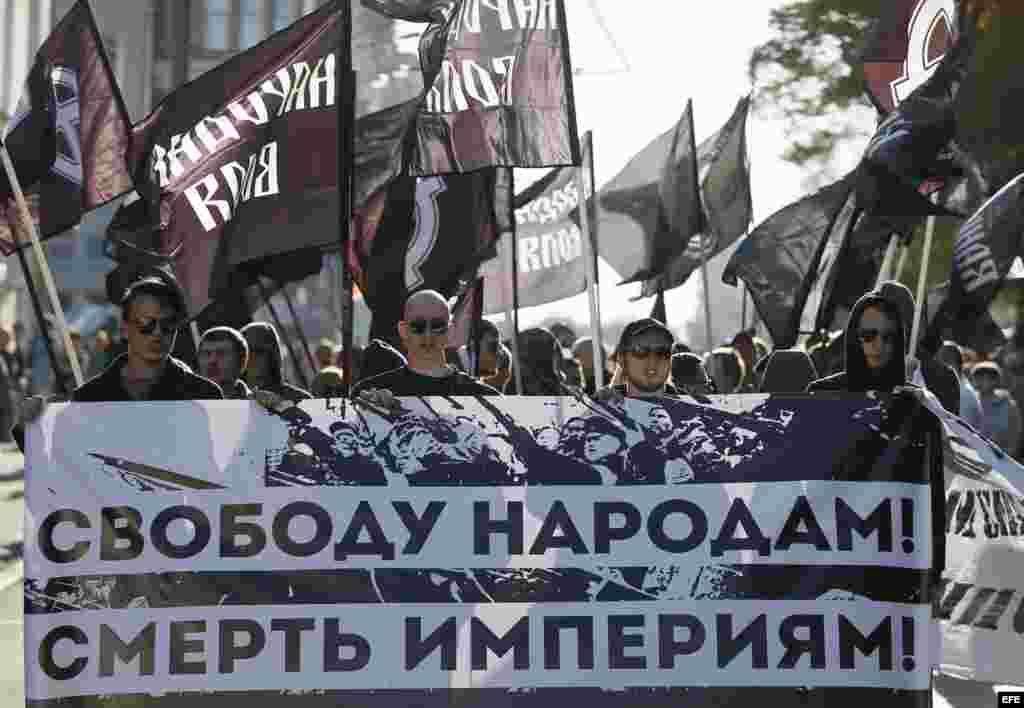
(780,257)
(498,85)
(242,164)
(725,194)
(985,249)
(653,205)
(70,134)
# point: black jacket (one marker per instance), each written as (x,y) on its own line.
(178,383)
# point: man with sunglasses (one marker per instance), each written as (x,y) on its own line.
(424,333)
(644,356)
(153,311)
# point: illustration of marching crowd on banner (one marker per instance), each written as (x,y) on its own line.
(794,510)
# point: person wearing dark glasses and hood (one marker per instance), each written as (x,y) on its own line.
(540,360)
(874,349)
(153,312)
(265,369)
(424,333)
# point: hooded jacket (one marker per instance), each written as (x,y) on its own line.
(261,335)
(787,371)
(938,378)
(856,376)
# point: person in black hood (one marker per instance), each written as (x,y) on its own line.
(927,371)
(874,349)
(265,368)
(540,361)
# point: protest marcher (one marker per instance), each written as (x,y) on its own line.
(325,353)
(1000,416)
(328,383)
(424,333)
(583,352)
(153,310)
(564,334)
(689,375)
(540,361)
(970,405)
(377,358)
(573,372)
(743,343)
(265,370)
(644,356)
(925,372)
(223,355)
(725,366)
(874,349)
(502,372)
(787,371)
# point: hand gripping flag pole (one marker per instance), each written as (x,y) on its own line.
(44,267)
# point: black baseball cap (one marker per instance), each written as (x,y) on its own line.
(638,327)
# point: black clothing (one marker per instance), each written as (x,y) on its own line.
(177,383)
(857,377)
(943,382)
(406,382)
(261,335)
(238,391)
(669,392)
(787,371)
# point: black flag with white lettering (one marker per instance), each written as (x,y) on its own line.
(498,85)
(241,164)
(983,253)
(550,246)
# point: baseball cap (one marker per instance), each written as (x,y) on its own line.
(638,327)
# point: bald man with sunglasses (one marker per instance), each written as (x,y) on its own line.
(424,333)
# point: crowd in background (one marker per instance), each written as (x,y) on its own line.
(552,361)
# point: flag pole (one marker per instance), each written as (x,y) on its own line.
(743,308)
(922,277)
(585,174)
(707,294)
(511,318)
(346,191)
(44,267)
(298,327)
(902,262)
(890,255)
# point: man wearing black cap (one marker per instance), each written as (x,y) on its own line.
(644,355)
(153,309)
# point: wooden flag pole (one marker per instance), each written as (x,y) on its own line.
(44,267)
(890,255)
(922,277)
(585,175)
(902,262)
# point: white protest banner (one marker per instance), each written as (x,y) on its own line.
(982,594)
(480,549)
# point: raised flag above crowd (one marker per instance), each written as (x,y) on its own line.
(498,85)
(70,134)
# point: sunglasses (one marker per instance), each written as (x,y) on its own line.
(642,352)
(867,336)
(434,326)
(167,325)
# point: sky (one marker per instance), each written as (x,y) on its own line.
(675,51)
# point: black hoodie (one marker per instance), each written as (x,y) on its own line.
(857,377)
(261,335)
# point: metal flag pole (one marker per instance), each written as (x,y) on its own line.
(890,256)
(346,110)
(510,306)
(922,277)
(37,307)
(44,267)
(585,175)
(707,294)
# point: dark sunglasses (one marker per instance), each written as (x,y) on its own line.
(167,325)
(867,336)
(642,352)
(434,326)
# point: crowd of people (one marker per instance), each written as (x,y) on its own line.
(873,353)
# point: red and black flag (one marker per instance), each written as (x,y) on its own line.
(779,260)
(724,173)
(70,135)
(653,205)
(242,164)
(498,85)
(983,253)
(904,48)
